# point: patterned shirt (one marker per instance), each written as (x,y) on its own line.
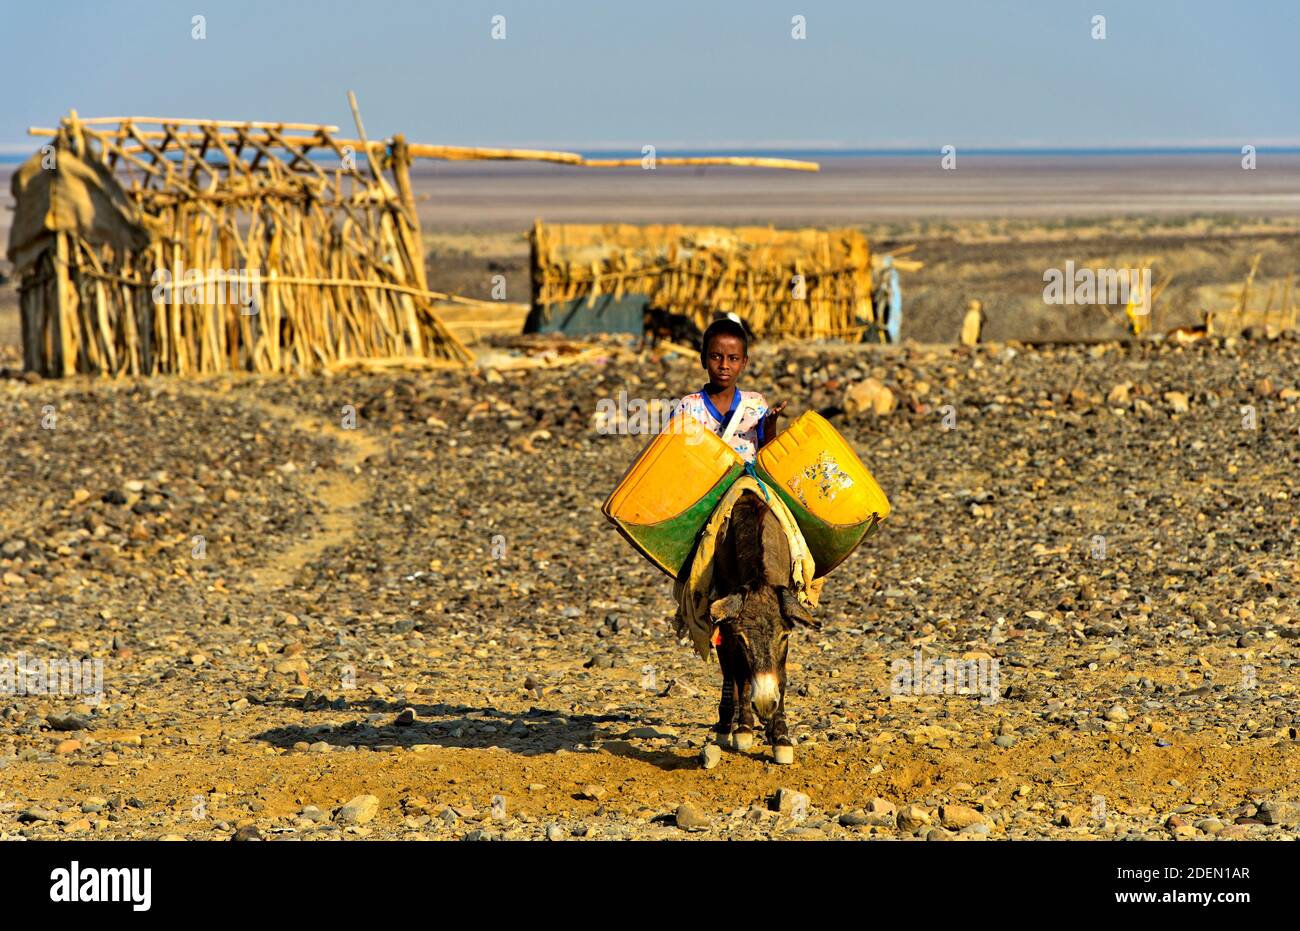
(748,435)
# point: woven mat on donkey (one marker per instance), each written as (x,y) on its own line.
(695,595)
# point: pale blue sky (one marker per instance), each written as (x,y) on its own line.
(623,73)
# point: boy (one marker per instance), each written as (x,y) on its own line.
(723,354)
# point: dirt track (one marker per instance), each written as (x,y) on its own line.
(448,556)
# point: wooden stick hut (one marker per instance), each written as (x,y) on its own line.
(148,245)
(805,283)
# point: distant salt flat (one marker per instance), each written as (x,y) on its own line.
(848,190)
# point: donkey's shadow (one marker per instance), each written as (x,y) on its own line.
(539,731)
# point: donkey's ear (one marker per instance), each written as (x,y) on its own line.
(725,607)
(795,613)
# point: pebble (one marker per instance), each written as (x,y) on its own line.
(710,755)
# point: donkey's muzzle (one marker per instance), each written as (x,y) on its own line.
(765,694)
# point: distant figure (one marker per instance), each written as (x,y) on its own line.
(972,324)
(657,324)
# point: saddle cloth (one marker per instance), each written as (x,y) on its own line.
(694,596)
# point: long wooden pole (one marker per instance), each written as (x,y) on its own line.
(63,310)
(229,124)
(738,161)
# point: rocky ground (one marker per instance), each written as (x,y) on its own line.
(422,626)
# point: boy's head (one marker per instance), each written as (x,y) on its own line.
(724,350)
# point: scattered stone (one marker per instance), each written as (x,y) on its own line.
(912,817)
(858,818)
(788,800)
(956,817)
(868,395)
(1276,811)
(359,810)
(1073,817)
(689,818)
(69,722)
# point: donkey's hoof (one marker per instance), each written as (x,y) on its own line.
(742,740)
(783,754)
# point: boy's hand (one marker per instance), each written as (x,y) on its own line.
(769,422)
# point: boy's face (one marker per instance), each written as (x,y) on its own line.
(724,359)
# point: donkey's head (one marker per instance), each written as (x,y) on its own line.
(755,626)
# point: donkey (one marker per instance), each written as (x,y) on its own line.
(755,611)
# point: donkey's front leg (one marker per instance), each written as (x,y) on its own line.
(742,736)
(777,735)
(727,718)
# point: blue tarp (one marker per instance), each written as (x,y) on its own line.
(575,317)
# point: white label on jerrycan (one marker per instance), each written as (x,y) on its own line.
(824,476)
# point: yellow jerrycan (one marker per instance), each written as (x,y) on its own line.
(666,497)
(834,498)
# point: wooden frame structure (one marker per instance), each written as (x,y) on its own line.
(332,255)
